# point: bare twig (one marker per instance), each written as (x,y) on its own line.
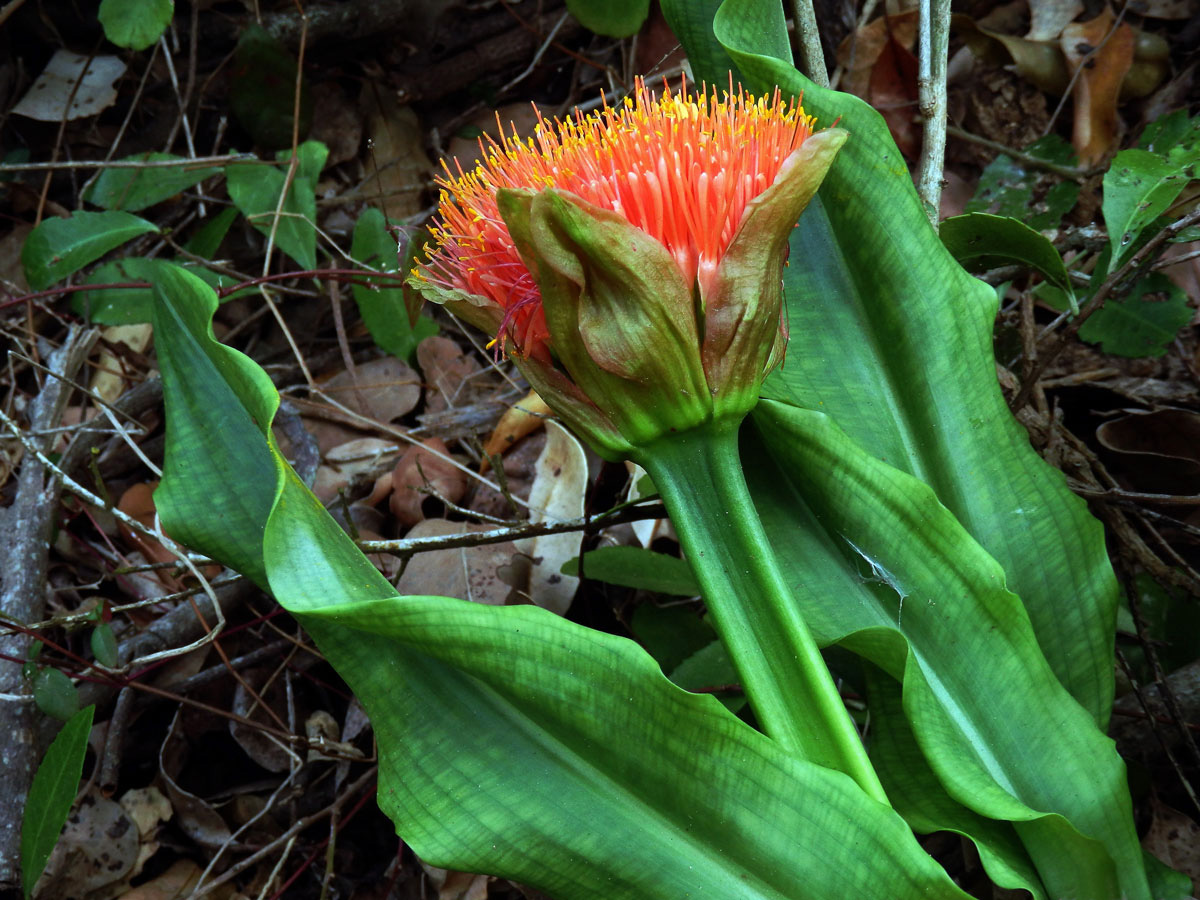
(931,92)
(1028,159)
(812,57)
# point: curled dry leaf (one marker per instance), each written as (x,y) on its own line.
(881,68)
(488,573)
(424,471)
(1175,839)
(453,885)
(557,495)
(262,747)
(177,883)
(1102,51)
(198,819)
(522,418)
(1159,450)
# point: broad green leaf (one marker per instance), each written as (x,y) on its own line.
(1008,186)
(208,237)
(381,304)
(51,795)
(60,247)
(893,339)
(611,18)
(135,24)
(920,598)
(256,189)
(980,242)
(511,740)
(1142,323)
(915,792)
(634,567)
(1138,188)
(55,693)
(136,189)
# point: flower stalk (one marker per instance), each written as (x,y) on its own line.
(791,691)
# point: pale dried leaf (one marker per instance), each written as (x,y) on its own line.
(557,495)
(1098,87)
(1047,18)
(382,390)
(50,97)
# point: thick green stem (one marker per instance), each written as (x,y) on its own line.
(699,475)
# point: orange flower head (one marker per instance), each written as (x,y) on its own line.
(680,168)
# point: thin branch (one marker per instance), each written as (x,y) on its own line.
(812,57)
(931,94)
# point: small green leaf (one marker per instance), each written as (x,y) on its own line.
(135,24)
(1141,324)
(255,190)
(980,242)
(208,237)
(136,189)
(104,645)
(55,694)
(611,18)
(382,304)
(633,567)
(1007,186)
(51,795)
(60,247)
(1137,189)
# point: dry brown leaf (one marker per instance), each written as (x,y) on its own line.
(397,165)
(483,574)
(448,373)
(1175,839)
(174,884)
(861,50)
(347,463)
(110,381)
(138,503)
(557,495)
(453,885)
(522,418)
(264,748)
(336,122)
(421,473)
(382,390)
(1098,87)
(97,848)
